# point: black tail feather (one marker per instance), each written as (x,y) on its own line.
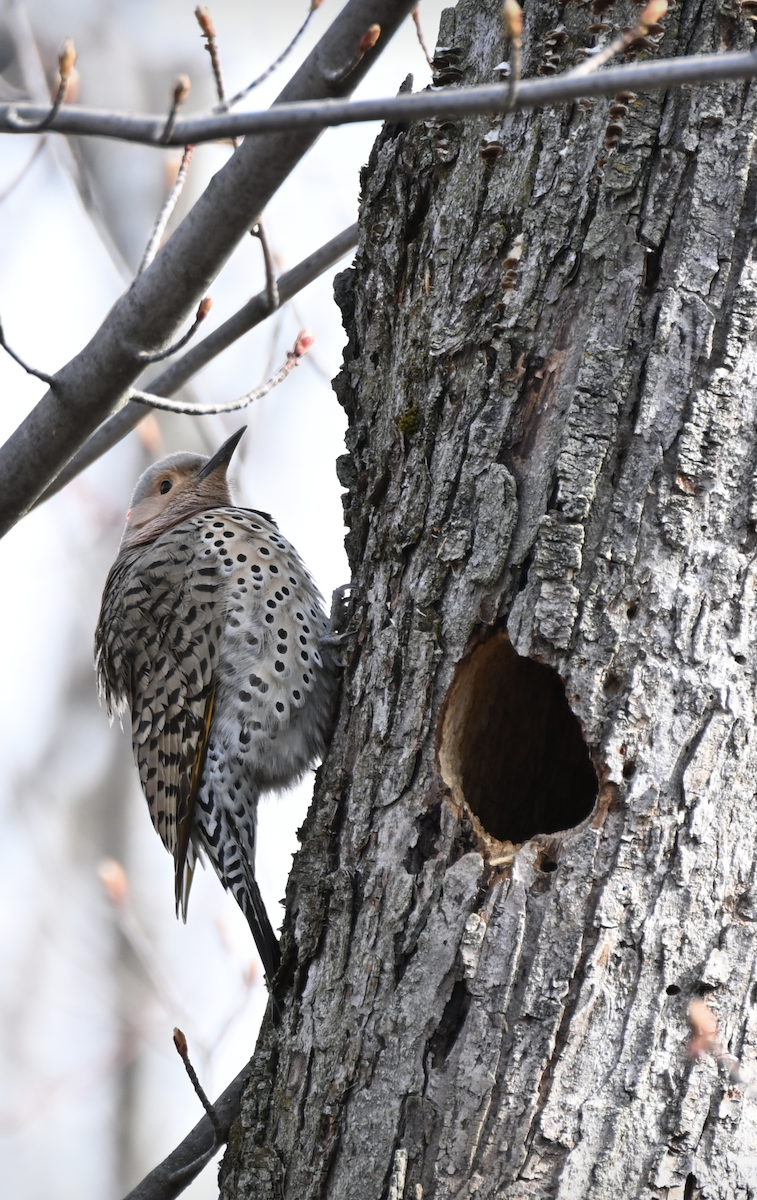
(265,939)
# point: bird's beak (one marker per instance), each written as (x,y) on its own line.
(222,457)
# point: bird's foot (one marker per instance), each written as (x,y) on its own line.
(335,634)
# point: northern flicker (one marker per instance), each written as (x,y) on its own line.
(211,631)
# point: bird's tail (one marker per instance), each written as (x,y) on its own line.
(251,903)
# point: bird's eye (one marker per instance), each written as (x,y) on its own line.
(165,486)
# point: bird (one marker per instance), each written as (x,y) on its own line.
(213,634)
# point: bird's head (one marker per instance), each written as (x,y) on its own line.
(175,488)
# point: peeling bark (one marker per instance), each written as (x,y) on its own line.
(566,465)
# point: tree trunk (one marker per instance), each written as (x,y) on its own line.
(494,932)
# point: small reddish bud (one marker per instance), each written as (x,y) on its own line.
(180,1042)
(181,89)
(66,59)
(314,4)
(204,308)
(304,341)
(369,39)
(205,22)
(512,14)
(111,873)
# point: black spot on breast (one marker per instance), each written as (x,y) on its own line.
(279,665)
(269,617)
(245,696)
(241,558)
(279,706)
(296,694)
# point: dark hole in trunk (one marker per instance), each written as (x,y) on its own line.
(511,746)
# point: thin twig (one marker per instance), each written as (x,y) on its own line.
(513,18)
(97,379)
(48,379)
(253,313)
(276,63)
(164,215)
(302,345)
(366,43)
(205,22)
(455,103)
(158,356)
(180,92)
(653,12)
(66,63)
(416,14)
(271,285)
(211,45)
(180,1042)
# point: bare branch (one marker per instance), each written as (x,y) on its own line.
(653,12)
(176,1172)
(164,215)
(302,345)
(180,1042)
(48,379)
(205,22)
(416,14)
(315,4)
(314,115)
(271,286)
(368,40)
(179,95)
(202,312)
(513,19)
(91,386)
(252,314)
(66,63)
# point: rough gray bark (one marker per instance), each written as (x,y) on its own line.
(556,477)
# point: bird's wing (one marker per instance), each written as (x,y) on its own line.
(165,629)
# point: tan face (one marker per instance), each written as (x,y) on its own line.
(161,493)
(175,488)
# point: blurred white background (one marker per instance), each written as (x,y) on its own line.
(92,1092)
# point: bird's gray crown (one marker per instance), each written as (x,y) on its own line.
(181,461)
